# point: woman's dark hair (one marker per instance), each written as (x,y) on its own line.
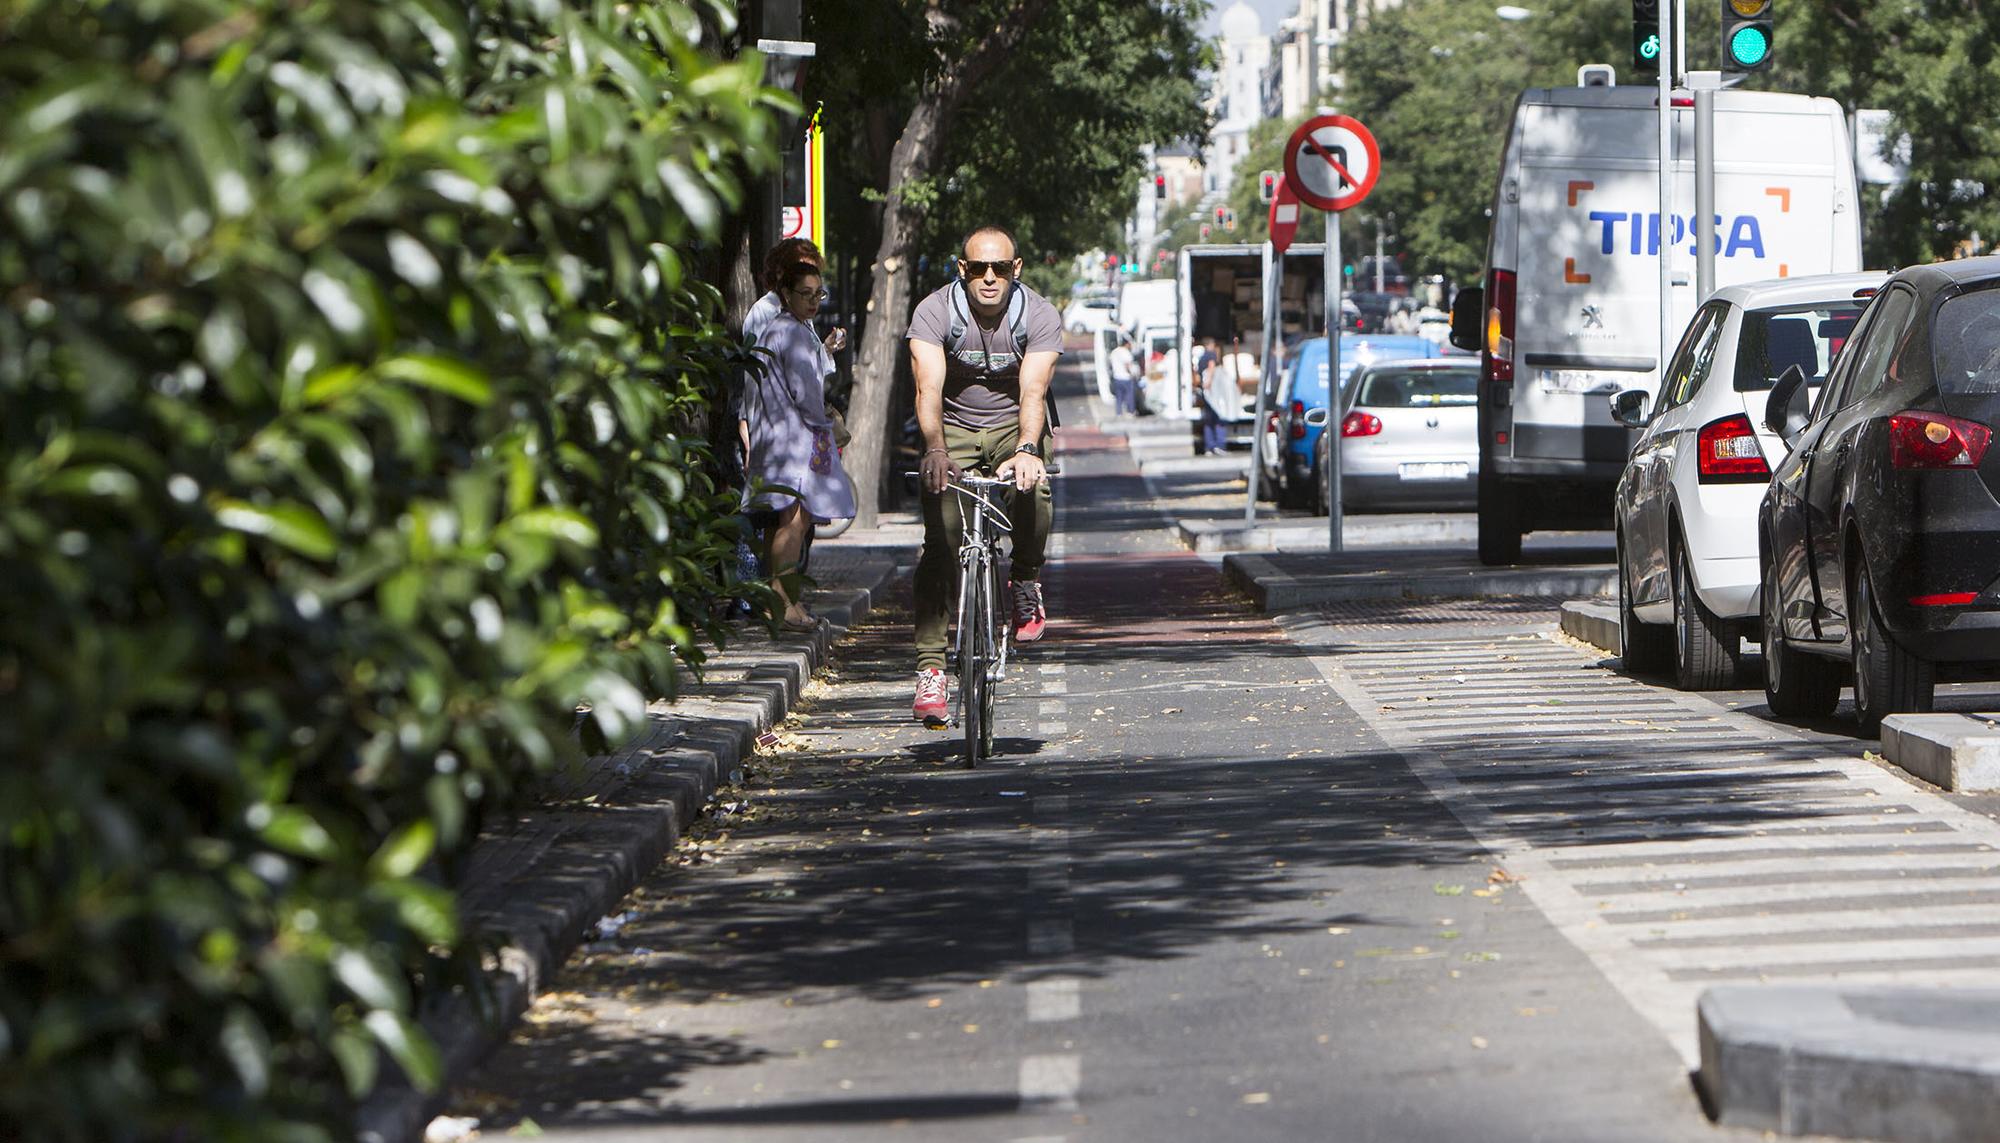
(790,277)
(782,256)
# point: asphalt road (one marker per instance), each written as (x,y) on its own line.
(1436,877)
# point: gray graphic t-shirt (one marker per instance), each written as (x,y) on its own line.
(982,373)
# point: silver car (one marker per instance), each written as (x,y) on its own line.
(1409,438)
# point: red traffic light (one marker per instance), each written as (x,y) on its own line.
(1159,186)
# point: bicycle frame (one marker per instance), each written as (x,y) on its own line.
(978,559)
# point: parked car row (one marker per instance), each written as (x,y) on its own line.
(1815,474)
(1408,427)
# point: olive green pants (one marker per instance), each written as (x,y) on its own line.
(1032,514)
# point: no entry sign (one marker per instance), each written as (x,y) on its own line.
(1284,216)
(1332,162)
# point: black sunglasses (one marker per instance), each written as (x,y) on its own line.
(1001,270)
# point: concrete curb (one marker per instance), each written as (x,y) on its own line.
(1273,589)
(1955,751)
(540,910)
(1909,1065)
(1362,532)
(1594,623)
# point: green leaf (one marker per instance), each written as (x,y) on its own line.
(555,524)
(357,1056)
(409,1046)
(295,830)
(427,910)
(292,525)
(371,982)
(444,374)
(404,851)
(247,1049)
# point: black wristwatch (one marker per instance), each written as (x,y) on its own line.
(1029,447)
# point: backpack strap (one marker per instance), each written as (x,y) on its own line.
(1017,315)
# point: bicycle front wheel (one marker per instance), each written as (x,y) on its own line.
(975,690)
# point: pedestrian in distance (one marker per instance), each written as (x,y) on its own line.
(792,454)
(983,350)
(1124,368)
(1217,405)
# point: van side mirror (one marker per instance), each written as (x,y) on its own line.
(1787,410)
(1631,408)
(1468,316)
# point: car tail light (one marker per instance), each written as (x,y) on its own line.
(1499,357)
(1727,452)
(1298,419)
(1945,599)
(1933,440)
(1361,425)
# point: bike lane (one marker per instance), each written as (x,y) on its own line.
(1195,896)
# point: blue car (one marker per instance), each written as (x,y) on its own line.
(1289,455)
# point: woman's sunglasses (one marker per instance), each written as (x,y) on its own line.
(818,295)
(1001,270)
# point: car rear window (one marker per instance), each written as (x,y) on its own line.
(1810,336)
(1965,345)
(1419,388)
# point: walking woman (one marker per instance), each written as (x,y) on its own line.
(792,451)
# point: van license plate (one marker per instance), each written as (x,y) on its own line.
(1436,470)
(1580,381)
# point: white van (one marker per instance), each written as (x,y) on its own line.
(1569,310)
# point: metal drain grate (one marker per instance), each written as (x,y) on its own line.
(1397,613)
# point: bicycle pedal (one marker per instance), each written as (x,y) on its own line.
(936,724)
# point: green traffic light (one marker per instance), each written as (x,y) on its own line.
(1749,46)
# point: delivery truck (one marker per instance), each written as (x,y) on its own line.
(1569,308)
(1221,295)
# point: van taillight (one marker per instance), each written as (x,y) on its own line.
(1499,357)
(1727,452)
(1933,440)
(1298,420)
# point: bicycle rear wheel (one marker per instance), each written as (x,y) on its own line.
(975,653)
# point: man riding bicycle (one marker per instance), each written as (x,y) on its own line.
(983,350)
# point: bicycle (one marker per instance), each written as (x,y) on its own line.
(984,632)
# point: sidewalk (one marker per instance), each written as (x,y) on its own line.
(538,881)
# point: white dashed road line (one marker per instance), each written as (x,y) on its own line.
(1676,842)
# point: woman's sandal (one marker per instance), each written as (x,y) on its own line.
(810,623)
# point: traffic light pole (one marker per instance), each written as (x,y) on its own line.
(1333,405)
(1670,49)
(1704,184)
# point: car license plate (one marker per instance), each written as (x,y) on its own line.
(1436,470)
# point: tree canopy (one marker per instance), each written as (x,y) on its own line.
(1436,81)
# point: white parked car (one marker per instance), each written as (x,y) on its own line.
(1686,505)
(1090,314)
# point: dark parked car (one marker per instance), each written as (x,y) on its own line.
(1879,540)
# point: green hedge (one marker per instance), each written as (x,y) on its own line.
(352,382)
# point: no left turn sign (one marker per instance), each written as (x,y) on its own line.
(1332,162)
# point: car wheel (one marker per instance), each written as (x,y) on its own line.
(1705,647)
(1499,524)
(1645,647)
(1289,493)
(1796,684)
(1887,679)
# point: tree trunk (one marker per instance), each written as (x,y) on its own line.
(892,275)
(892,279)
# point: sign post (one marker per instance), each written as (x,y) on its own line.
(1332,162)
(1284,223)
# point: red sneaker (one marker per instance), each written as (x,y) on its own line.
(1030,617)
(929,708)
